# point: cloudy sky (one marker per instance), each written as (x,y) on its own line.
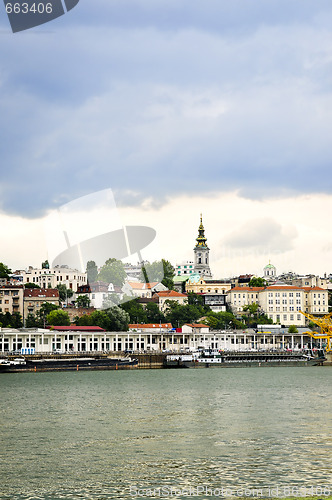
(180,107)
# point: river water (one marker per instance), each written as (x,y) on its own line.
(166,433)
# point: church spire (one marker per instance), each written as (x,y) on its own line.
(201,239)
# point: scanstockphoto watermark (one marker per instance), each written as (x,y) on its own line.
(230,492)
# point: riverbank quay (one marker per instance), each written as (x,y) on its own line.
(153,360)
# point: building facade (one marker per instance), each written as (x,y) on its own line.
(280,302)
(11,299)
(34,298)
(185,268)
(149,338)
(51,278)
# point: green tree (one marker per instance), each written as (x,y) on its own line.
(178,314)
(153,313)
(195,299)
(64,292)
(252,309)
(119,319)
(292,329)
(113,272)
(31,285)
(83,301)
(257,282)
(137,313)
(31,321)
(58,318)
(16,321)
(161,271)
(114,319)
(222,320)
(92,271)
(111,300)
(5,272)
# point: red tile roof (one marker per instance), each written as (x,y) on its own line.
(150,325)
(170,293)
(142,286)
(247,289)
(74,328)
(283,287)
(41,292)
(196,325)
(315,288)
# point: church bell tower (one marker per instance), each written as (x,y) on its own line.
(201,254)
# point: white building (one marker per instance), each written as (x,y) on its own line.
(280,302)
(136,289)
(51,278)
(184,268)
(148,338)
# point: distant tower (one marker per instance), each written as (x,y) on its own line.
(201,254)
(270,272)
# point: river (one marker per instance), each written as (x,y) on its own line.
(166,433)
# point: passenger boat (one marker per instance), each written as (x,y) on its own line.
(209,358)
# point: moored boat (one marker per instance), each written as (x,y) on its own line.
(63,364)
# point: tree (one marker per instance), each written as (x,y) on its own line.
(111,300)
(31,285)
(114,319)
(254,316)
(135,310)
(16,321)
(64,292)
(153,313)
(5,272)
(58,318)
(31,321)
(252,309)
(161,271)
(92,271)
(257,282)
(113,272)
(178,314)
(83,301)
(292,329)
(119,319)
(222,320)
(195,299)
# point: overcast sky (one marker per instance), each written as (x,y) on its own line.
(180,107)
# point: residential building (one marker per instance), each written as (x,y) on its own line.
(11,299)
(58,275)
(202,285)
(136,289)
(165,295)
(280,302)
(34,298)
(184,268)
(98,292)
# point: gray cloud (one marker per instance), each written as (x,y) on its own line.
(209,97)
(262,236)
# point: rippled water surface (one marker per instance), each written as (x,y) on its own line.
(103,435)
